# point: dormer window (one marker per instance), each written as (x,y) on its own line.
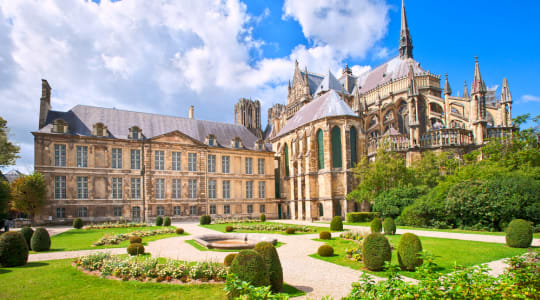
(237,143)
(99,130)
(135,133)
(60,126)
(211,140)
(260,145)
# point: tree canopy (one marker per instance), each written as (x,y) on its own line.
(28,193)
(8,151)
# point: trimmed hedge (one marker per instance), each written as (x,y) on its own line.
(408,252)
(325,235)
(357,217)
(13,249)
(290,230)
(159,221)
(27,233)
(229,228)
(271,258)
(262,217)
(205,220)
(167,221)
(77,223)
(135,249)
(376,251)
(389,226)
(229,259)
(250,266)
(325,251)
(41,241)
(519,234)
(179,230)
(376,225)
(336,224)
(135,239)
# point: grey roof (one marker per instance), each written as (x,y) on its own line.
(329,104)
(82,118)
(329,82)
(314,81)
(13,175)
(391,70)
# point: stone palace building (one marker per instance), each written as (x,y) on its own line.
(106,164)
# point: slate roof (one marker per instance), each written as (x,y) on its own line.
(329,82)
(329,104)
(314,81)
(393,69)
(13,175)
(82,118)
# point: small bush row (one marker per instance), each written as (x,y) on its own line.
(358,217)
(14,246)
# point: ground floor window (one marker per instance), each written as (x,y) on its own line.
(227,209)
(262,208)
(177,211)
(117,211)
(160,211)
(250,208)
(82,212)
(321,210)
(136,212)
(212,209)
(60,212)
(193,210)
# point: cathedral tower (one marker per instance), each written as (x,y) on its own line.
(248,113)
(405,40)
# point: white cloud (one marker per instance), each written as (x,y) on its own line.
(530,98)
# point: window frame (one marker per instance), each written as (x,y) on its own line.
(160,188)
(192,162)
(116,158)
(159,160)
(82,156)
(226,189)
(176,162)
(176,188)
(249,189)
(262,189)
(212,189)
(60,212)
(82,187)
(135,159)
(135,188)
(60,187)
(249,165)
(211,163)
(260,165)
(192,188)
(59,155)
(225,164)
(117,188)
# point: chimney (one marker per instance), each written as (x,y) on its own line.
(45,102)
(191,111)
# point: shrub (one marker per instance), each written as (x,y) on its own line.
(289,230)
(77,223)
(135,249)
(159,221)
(519,234)
(336,224)
(229,228)
(167,221)
(325,235)
(357,217)
(376,251)
(13,249)
(271,258)
(41,241)
(179,230)
(376,225)
(409,251)
(229,259)
(325,251)
(27,233)
(135,239)
(262,218)
(250,266)
(205,220)
(389,226)
(392,202)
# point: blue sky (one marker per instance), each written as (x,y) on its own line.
(162,56)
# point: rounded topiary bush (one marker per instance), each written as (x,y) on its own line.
(13,249)
(135,239)
(77,223)
(325,251)
(273,264)
(135,249)
(336,224)
(229,228)
(408,252)
(519,234)
(41,241)
(159,221)
(205,220)
(376,225)
(389,226)
(262,218)
(179,230)
(250,266)
(290,230)
(229,259)
(167,221)
(27,233)
(376,251)
(325,235)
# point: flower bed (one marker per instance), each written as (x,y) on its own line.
(117,239)
(235,221)
(271,227)
(353,235)
(149,269)
(115,225)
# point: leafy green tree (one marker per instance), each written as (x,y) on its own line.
(390,203)
(8,151)
(5,195)
(29,194)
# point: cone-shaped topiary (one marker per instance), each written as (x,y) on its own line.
(41,241)
(167,221)
(376,250)
(519,234)
(159,221)
(27,233)
(262,218)
(205,220)
(135,239)
(13,249)
(408,252)
(325,235)
(77,223)
(135,249)
(250,266)
(179,230)
(376,225)
(336,224)
(325,251)
(389,226)
(271,258)
(229,259)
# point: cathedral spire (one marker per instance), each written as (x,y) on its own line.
(478,85)
(405,40)
(447,89)
(465,91)
(505,92)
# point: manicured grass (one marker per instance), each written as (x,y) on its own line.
(82,239)
(447,252)
(221,228)
(291,291)
(203,248)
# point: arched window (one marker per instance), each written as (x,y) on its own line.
(336,147)
(403,119)
(320,149)
(352,136)
(286,160)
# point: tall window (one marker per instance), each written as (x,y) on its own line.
(226,189)
(159,160)
(192,188)
(320,149)
(160,211)
(354,153)
(211,140)
(250,208)
(262,189)
(60,212)
(82,157)
(260,165)
(211,163)
(286,151)
(262,208)
(213,209)
(336,147)
(60,187)
(135,188)
(82,212)
(160,188)
(135,212)
(176,161)
(117,211)
(249,165)
(226,209)
(135,159)
(82,187)
(193,210)
(225,166)
(176,189)
(117,158)
(192,162)
(236,143)
(177,211)
(211,189)
(249,189)
(60,155)
(117,188)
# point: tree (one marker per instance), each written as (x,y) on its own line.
(28,194)
(8,151)
(5,195)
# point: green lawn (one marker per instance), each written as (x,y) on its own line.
(203,248)
(221,228)
(82,239)
(447,253)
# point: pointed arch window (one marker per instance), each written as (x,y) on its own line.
(320,149)
(336,147)
(286,160)
(354,153)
